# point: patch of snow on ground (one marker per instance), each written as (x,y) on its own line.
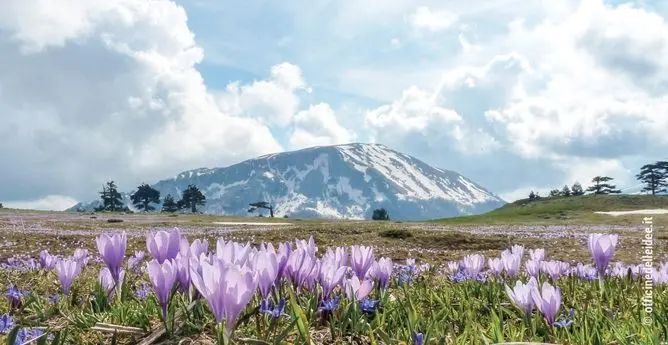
(622,213)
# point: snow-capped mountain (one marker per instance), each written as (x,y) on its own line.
(343,181)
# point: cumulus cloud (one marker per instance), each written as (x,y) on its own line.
(432,20)
(99,90)
(318,126)
(576,92)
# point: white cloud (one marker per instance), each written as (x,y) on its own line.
(48,203)
(93,90)
(318,126)
(431,20)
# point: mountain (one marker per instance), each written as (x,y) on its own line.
(344,181)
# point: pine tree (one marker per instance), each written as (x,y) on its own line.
(112,200)
(255,206)
(554,192)
(654,176)
(169,205)
(565,191)
(380,214)
(602,187)
(192,197)
(577,190)
(144,196)
(532,196)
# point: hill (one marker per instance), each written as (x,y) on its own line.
(336,182)
(565,210)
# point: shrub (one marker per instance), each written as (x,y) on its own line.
(113,220)
(396,233)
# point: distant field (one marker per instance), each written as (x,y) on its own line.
(559,225)
(569,210)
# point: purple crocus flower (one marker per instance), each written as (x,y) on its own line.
(358,290)
(361,259)
(233,252)
(537,254)
(266,268)
(198,247)
(517,250)
(552,268)
(337,256)
(68,270)
(453,266)
(473,264)
(547,300)
(300,266)
(47,260)
(282,256)
(520,295)
(309,245)
(330,277)
(183,272)
(112,250)
(602,249)
(226,288)
(107,281)
(532,267)
(382,271)
(163,278)
(81,256)
(164,245)
(495,266)
(511,263)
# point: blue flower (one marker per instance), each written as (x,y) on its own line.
(142,292)
(15,296)
(369,306)
(418,338)
(6,323)
(26,334)
(54,299)
(563,323)
(276,311)
(329,305)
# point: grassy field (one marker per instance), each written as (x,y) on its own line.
(444,309)
(561,223)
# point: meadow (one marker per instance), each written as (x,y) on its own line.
(79,278)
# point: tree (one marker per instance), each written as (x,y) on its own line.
(533,196)
(144,196)
(654,176)
(380,214)
(554,192)
(577,190)
(111,198)
(565,191)
(602,187)
(169,205)
(255,206)
(192,197)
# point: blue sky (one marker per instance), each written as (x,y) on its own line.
(516,95)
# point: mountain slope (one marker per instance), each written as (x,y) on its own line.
(343,181)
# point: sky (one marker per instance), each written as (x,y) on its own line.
(516,95)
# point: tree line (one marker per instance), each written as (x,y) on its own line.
(653,177)
(146,197)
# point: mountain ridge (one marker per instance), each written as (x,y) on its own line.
(341,181)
